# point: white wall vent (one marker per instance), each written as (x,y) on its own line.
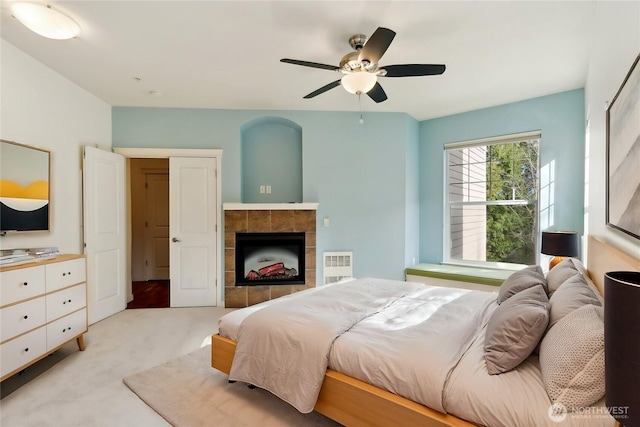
(337,266)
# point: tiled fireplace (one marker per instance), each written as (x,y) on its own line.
(293,224)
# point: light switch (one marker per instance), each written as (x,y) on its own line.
(262,189)
(268,189)
(325,222)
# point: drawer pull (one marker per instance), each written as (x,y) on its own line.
(26,349)
(66,301)
(26,317)
(69,300)
(25,283)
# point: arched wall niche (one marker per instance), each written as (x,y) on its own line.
(271,161)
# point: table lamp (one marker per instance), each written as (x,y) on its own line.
(622,346)
(560,244)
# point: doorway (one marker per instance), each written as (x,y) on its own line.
(150,267)
(194,211)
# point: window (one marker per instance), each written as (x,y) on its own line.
(491,200)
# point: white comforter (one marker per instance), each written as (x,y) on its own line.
(412,347)
(285,347)
(423,343)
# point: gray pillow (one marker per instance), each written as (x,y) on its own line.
(559,274)
(585,275)
(515,328)
(572,358)
(520,280)
(573,294)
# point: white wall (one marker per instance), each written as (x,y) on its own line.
(616,43)
(41,108)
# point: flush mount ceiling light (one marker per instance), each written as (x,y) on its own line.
(358,82)
(45,21)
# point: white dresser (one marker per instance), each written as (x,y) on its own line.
(43,306)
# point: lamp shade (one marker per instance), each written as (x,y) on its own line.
(622,346)
(560,243)
(359,82)
(44,20)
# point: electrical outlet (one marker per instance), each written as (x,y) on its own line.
(262,189)
(268,189)
(325,222)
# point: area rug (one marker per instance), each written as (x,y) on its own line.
(188,392)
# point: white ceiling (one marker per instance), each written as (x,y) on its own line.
(225,54)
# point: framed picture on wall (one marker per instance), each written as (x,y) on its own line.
(623,155)
(24,188)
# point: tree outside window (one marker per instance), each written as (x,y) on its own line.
(492,202)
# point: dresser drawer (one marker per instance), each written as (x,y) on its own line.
(19,318)
(17,285)
(62,330)
(63,274)
(22,350)
(63,302)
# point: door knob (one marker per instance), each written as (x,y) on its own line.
(174,240)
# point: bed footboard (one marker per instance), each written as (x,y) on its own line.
(352,402)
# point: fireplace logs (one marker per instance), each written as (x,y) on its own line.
(271,270)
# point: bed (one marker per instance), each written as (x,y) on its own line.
(422,376)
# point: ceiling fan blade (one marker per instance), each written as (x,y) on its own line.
(323,89)
(310,64)
(412,70)
(377,45)
(377,93)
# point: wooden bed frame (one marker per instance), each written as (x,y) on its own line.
(352,402)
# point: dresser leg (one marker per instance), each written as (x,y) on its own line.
(80,341)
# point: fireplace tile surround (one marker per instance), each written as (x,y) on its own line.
(266,218)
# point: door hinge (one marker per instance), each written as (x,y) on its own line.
(146,262)
(146,224)
(146,185)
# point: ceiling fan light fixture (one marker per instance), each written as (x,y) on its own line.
(45,21)
(358,82)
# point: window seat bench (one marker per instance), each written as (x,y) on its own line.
(457,276)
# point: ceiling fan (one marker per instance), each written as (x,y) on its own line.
(360,67)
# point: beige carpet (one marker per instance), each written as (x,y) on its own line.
(188,392)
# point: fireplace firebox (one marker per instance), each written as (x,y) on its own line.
(269,258)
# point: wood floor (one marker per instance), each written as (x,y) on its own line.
(150,294)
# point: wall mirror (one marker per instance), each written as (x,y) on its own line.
(24,188)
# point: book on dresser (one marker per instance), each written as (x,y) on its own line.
(43,306)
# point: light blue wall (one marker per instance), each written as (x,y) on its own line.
(380,183)
(271,158)
(358,173)
(559,117)
(412,193)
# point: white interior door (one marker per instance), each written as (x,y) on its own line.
(104,232)
(192,230)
